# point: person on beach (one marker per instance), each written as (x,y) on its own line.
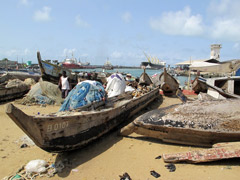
(64,84)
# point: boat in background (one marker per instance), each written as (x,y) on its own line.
(8,75)
(13,89)
(152,63)
(108,65)
(199,85)
(52,72)
(168,83)
(71,63)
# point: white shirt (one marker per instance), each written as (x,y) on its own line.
(65,83)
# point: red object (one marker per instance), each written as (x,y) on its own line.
(188,92)
(185,92)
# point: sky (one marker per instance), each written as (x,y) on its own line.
(119,30)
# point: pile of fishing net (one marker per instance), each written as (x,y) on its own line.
(82,94)
(16,83)
(43,93)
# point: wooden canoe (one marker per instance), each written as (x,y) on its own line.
(199,85)
(64,131)
(10,93)
(52,73)
(168,83)
(19,75)
(199,123)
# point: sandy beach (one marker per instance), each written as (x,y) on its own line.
(108,157)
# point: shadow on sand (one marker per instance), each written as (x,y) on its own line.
(73,159)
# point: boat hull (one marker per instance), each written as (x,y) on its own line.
(157,124)
(151,65)
(57,133)
(7,94)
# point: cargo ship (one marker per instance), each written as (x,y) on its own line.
(152,63)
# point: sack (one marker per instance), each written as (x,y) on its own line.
(36,166)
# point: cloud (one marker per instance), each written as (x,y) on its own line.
(178,23)
(24,2)
(225,20)
(236,46)
(116,55)
(26,51)
(226,29)
(43,14)
(80,22)
(11,52)
(126,17)
(226,8)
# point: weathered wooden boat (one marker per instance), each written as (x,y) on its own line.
(9,93)
(199,85)
(199,123)
(64,131)
(19,75)
(218,151)
(168,83)
(224,87)
(52,72)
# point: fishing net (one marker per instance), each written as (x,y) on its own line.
(43,93)
(82,94)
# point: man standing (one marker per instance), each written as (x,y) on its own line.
(64,84)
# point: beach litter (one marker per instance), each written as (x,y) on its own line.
(171,167)
(125,176)
(155,174)
(36,168)
(159,157)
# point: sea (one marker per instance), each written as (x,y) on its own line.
(137,73)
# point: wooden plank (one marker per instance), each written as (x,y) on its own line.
(218,152)
(181,96)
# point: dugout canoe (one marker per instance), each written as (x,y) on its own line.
(10,93)
(199,85)
(65,131)
(52,72)
(168,83)
(198,123)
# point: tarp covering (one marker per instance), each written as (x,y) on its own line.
(116,85)
(43,93)
(82,94)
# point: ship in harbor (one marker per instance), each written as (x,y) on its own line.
(108,65)
(71,63)
(152,63)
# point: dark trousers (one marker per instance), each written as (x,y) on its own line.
(65,93)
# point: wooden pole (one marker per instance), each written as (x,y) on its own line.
(189,74)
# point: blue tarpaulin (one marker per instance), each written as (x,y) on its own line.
(82,94)
(238,72)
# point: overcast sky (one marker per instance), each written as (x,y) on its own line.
(94,30)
